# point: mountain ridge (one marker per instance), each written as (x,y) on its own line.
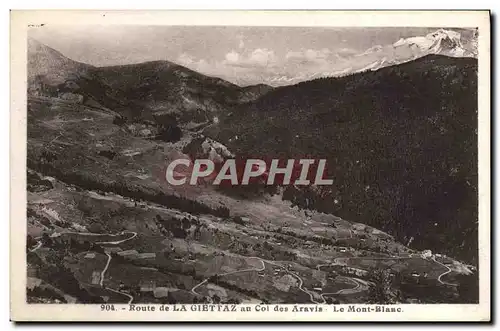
(135,90)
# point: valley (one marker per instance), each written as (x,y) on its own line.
(105,226)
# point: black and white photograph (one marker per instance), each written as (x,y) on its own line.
(315,167)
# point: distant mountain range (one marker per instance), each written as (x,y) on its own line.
(440,42)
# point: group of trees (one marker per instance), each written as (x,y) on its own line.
(165,125)
(59,169)
(179,228)
(63,278)
(383,290)
(395,287)
(35,183)
(215,279)
(400,144)
(45,293)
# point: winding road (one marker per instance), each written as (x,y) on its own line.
(301,281)
(103,273)
(105,268)
(358,285)
(131,298)
(444,273)
(311,294)
(356,288)
(193,290)
(134,234)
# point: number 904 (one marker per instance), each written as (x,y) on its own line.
(107,307)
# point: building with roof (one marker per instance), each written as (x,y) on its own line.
(96,277)
(147,285)
(146,255)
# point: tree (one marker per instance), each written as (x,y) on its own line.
(468,290)
(382,291)
(170,298)
(96,227)
(46,240)
(119,120)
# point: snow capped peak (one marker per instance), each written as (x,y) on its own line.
(441,41)
(442,33)
(373,49)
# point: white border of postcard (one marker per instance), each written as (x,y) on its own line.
(21,311)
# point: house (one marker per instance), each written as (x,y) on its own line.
(426,254)
(96,277)
(358,226)
(112,249)
(147,285)
(160,292)
(82,241)
(146,255)
(131,253)
(89,255)
(356,271)
(32,271)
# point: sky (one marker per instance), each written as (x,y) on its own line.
(242,55)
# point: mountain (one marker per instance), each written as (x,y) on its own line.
(401,145)
(444,42)
(52,65)
(440,42)
(141,91)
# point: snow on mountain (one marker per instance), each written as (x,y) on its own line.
(444,42)
(373,49)
(341,72)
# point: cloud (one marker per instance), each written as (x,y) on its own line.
(232,57)
(311,55)
(193,63)
(346,51)
(260,57)
(185,59)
